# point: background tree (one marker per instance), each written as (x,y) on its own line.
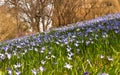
(35,13)
(38,15)
(71,11)
(64,11)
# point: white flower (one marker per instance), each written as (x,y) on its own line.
(88,61)
(68,49)
(66,43)
(57,43)
(36,49)
(9,71)
(87,42)
(109,58)
(18,65)
(105,35)
(18,72)
(68,66)
(42,51)
(25,51)
(77,29)
(47,57)
(101,56)
(34,71)
(41,68)
(92,42)
(70,54)
(18,46)
(2,56)
(14,53)
(104,74)
(43,62)
(8,55)
(52,56)
(76,44)
(49,52)
(43,48)
(69,58)
(73,36)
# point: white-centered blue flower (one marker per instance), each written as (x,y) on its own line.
(18,72)
(34,71)
(41,68)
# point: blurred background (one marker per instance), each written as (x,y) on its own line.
(24,17)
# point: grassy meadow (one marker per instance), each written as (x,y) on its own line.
(84,48)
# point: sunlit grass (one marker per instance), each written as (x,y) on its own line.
(88,50)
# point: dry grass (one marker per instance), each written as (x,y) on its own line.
(7,25)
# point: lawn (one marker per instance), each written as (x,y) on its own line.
(84,48)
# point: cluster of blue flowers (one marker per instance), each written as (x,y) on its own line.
(86,32)
(105,24)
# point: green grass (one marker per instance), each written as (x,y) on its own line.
(90,53)
(85,58)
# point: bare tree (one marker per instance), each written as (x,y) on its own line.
(70,11)
(64,11)
(34,12)
(39,13)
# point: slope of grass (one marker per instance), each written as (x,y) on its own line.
(87,48)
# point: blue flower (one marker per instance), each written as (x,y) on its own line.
(86,73)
